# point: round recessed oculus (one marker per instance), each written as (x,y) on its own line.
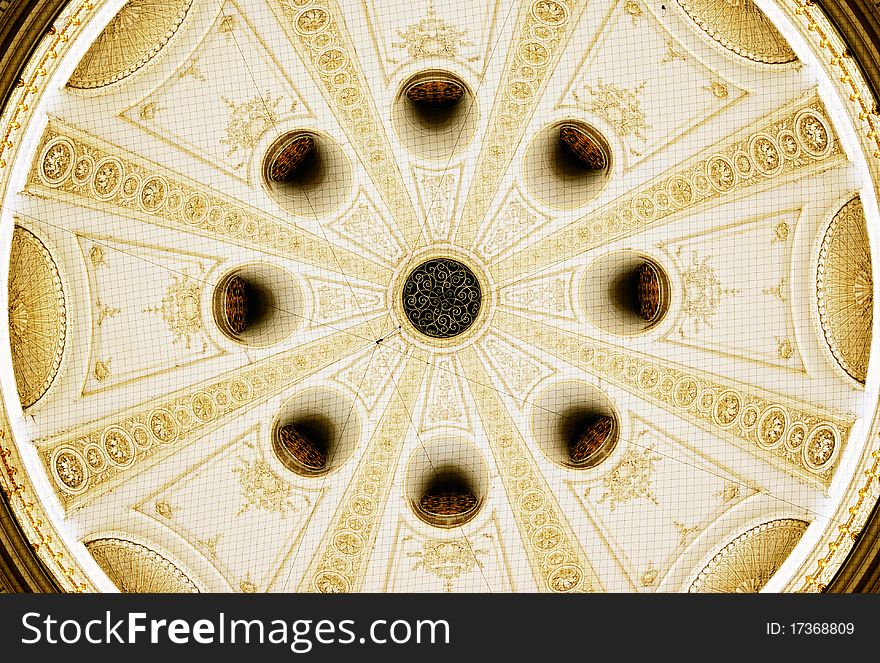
(447,506)
(447,482)
(577,140)
(441,298)
(257,304)
(435,114)
(595,434)
(626,293)
(315,432)
(308,453)
(307,173)
(436,92)
(576,425)
(288,155)
(567,164)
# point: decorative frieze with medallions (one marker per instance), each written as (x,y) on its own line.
(802,440)
(794,142)
(97,457)
(341,560)
(558,562)
(75,167)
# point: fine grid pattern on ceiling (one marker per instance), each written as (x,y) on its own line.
(362,297)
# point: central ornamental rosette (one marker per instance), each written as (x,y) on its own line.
(441,298)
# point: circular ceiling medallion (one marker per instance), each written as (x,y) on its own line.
(442,298)
(37,316)
(845,289)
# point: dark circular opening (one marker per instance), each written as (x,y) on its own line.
(591,435)
(580,149)
(289,156)
(643,290)
(441,298)
(307,173)
(627,293)
(435,93)
(435,114)
(242,304)
(306,443)
(449,501)
(566,165)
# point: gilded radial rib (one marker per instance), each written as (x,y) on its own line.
(556,556)
(800,439)
(795,141)
(543,30)
(318,32)
(76,167)
(88,460)
(341,560)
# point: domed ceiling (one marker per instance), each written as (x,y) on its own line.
(548,295)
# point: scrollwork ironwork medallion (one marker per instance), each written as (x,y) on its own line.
(442,298)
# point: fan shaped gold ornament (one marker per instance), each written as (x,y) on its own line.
(845,289)
(747,563)
(37,316)
(740,27)
(136,569)
(133,37)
